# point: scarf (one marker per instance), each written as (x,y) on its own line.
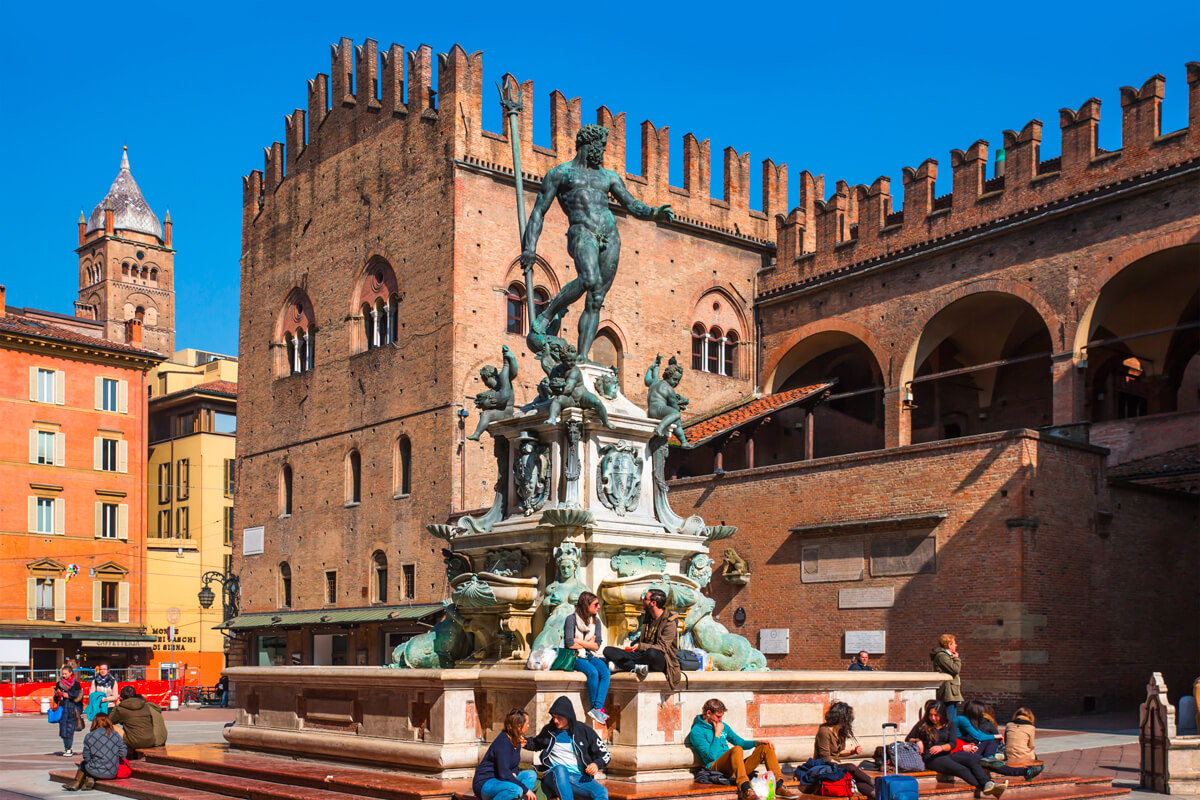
(582,629)
(67,684)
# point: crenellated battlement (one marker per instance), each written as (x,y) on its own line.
(366,87)
(857,227)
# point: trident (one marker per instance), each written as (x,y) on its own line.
(510,102)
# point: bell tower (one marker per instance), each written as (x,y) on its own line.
(127,267)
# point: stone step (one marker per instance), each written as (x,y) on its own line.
(141,789)
(330,777)
(232,785)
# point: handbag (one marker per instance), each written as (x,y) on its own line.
(54,715)
(842,787)
(564,661)
(123,769)
(906,758)
(688,661)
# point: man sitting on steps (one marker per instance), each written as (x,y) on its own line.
(720,749)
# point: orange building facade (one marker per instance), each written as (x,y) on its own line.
(73,412)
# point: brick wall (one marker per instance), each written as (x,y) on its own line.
(1051,597)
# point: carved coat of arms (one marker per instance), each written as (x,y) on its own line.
(619,477)
(532,473)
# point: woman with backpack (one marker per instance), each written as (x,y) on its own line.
(832,737)
(935,738)
(103,750)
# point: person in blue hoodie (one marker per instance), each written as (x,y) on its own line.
(572,754)
(496,777)
(720,748)
(969,726)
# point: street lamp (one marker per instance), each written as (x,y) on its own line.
(230,589)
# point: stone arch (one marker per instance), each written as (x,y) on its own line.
(729,299)
(610,345)
(772,380)
(543,275)
(987,286)
(295,334)
(972,329)
(376,280)
(296,313)
(1129,370)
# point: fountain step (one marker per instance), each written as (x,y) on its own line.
(211,772)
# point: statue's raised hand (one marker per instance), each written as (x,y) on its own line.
(528,258)
(663,213)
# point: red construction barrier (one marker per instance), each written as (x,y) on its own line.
(26,698)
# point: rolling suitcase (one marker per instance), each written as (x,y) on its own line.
(895,786)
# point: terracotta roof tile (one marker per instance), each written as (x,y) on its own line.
(750,410)
(211,387)
(1181,460)
(43,330)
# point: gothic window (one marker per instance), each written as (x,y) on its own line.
(353,478)
(379,575)
(516,309)
(402,468)
(285,491)
(285,585)
(377,301)
(154,275)
(729,355)
(394,317)
(699,336)
(368,326)
(712,362)
(541,301)
(296,335)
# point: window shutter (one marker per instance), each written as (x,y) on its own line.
(60,515)
(97,443)
(60,388)
(123,602)
(99,392)
(123,521)
(122,456)
(33,446)
(33,387)
(123,396)
(60,449)
(60,600)
(96,589)
(32,513)
(30,598)
(99,518)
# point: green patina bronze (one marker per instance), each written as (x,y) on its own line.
(663,403)
(497,401)
(730,652)
(438,648)
(561,596)
(583,187)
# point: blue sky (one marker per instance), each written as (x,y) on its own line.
(853,92)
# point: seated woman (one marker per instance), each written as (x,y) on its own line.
(1018,737)
(971,726)
(581,633)
(103,750)
(832,736)
(496,777)
(935,739)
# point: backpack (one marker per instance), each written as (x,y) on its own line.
(688,661)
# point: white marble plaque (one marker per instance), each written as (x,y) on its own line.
(872,597)
(252,541)
(831,560)
(774,641)
(874,642)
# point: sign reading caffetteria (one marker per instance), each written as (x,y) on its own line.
(112,643)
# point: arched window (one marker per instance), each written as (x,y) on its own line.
(606,351)
(368,325)
(516,309)
(285,585)
(125,269)
(353,478)
(699,335)
(154,275)
(139,313)
(729,356)
(285,491)
(379,577)
(712,361)
(393,317)
(541,300)
(381,322)
(402,468)
(296,330)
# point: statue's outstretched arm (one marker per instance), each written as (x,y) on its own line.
(652,374)
(509,371)
(533,230)
(635,206)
